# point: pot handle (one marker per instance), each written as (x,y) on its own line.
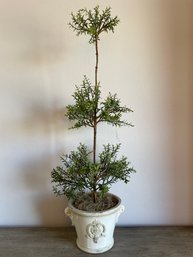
(120,210)
(69,212)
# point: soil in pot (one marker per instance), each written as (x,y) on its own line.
(85,202)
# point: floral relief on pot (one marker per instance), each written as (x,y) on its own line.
(95,230)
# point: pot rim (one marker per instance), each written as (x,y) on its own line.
(97,213)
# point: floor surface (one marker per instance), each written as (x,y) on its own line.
(129,242)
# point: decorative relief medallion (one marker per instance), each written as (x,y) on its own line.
(95,230)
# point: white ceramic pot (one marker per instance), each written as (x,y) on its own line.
(95,229)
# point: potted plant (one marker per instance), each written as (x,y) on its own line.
(84,176)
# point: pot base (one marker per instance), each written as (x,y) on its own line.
(95,251)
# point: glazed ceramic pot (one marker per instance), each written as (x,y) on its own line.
(95,229)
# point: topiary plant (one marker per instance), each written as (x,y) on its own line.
(82,176)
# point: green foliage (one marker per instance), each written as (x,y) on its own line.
(78,174)
(89,108)
(111,168)
(111,111)
(86,100)
(72,176)
(93,23)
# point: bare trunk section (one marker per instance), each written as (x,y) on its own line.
(95,117)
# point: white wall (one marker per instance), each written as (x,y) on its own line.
(148,62)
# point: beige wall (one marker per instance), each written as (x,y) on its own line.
(148,62)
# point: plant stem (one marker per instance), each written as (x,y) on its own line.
(97,61)
(94,138)
(95,114)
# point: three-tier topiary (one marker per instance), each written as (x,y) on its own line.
(84,176)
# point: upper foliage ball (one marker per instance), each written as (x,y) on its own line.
(93,23)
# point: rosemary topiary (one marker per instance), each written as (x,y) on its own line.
(84,179)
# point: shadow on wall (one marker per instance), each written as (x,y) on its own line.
(31,47)
(191,137)
(182,100)
(190,54)
(44,120)
(191,144)
(35,177)
(190,150)
(35,171)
